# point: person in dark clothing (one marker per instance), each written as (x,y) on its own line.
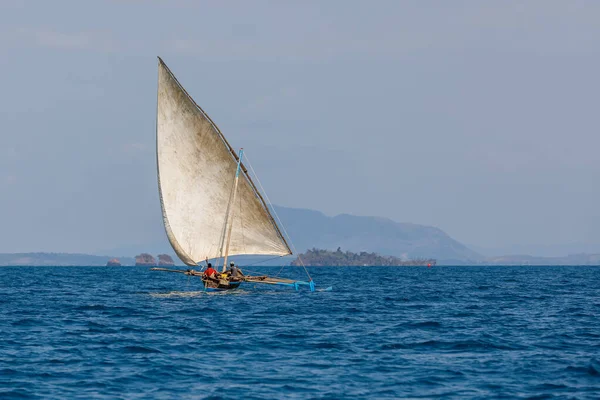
(235,272)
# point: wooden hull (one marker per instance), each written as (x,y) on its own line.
(220,285)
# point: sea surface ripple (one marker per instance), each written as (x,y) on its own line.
(443,332)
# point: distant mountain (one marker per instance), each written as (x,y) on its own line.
(310,229)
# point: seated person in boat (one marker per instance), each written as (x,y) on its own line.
(234,272)
(211,272)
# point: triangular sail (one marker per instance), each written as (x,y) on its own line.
(196,170)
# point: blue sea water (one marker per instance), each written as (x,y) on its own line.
(444,332)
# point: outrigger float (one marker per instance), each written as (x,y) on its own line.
(211,207)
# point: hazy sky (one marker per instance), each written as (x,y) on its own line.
(480,118)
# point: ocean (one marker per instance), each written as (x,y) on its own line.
(404,332)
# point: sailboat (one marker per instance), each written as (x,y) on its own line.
(211,208)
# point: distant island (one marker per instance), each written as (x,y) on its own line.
(338,258)
(165,260)
(145,260)
(113,262)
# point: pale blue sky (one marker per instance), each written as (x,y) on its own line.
(480,118)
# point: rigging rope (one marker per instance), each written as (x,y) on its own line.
(277,216)
(242,226)
(263,261)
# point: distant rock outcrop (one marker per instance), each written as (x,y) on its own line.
(165,260)
(113,262)
(145,259)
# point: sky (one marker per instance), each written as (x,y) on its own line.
(480,118)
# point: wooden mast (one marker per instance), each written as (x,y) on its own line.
(232,205)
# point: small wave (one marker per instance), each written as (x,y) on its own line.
(17,394)
(93,324)
(179,294)
(129,329)
(462,314)
(592,369)
(572,310)
(162,373)
(452,346)
(196,310)
(92,307)
(584,370)
(426,324)
(8,371)
(317,365)
(428,381)
(551,386)
(27,322)
(327,345)
(394,346)
(140,350)
(290,336)
(486,287)
(541,396)
(63,361)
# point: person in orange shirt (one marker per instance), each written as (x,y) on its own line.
(211,272)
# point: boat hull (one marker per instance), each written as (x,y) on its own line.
(219,286)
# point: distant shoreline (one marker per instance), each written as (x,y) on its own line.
(41,259)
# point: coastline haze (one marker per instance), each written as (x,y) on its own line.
(479,119)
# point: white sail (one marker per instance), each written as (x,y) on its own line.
(196,171)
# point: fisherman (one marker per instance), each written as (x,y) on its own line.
(235,272)
(210,272)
